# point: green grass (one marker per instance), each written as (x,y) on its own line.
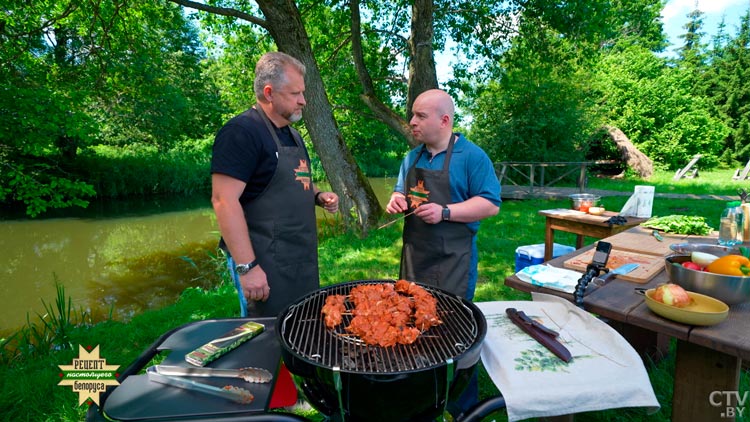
(28,378)
(718,182)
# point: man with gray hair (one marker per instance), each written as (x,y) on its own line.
(263,194)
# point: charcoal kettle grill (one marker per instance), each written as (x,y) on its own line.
(348,380)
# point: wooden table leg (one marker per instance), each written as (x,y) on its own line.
(579,241)
(549,240)
(651,346)
(704,385)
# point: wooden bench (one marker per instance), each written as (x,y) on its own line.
(688,171)
(742,174)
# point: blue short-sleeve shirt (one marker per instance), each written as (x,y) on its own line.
(471,172)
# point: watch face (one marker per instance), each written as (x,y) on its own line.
(242,269)
(446,213)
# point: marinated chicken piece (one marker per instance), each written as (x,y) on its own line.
(332,310)
(385,314)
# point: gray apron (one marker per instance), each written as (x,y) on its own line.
(283,229)
(435,254)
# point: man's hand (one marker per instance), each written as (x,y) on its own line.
(329,201)
(397,203)
(430,213)
(255,285)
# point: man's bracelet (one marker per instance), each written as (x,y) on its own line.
(317,198)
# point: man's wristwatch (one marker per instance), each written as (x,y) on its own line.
(243,269)
(446,213)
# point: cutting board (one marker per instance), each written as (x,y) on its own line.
(641,240)
(648,265)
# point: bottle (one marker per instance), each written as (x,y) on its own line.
(730,226)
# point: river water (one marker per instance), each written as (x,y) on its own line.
(115,258)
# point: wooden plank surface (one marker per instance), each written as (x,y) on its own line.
(641,240)
(648,265)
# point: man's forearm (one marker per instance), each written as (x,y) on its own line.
(473,209)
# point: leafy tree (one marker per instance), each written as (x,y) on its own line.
(692,52)
(544,106)
(727,87)
(538,111)
(653,104)
(78,73)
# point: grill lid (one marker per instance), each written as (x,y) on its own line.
(304,333)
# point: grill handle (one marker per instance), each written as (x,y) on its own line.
(339,387)
(449,374)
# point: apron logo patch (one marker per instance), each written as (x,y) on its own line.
(418,194)
(302,174)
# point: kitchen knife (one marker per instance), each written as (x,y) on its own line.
(254,375)
(543,335)
(606,278)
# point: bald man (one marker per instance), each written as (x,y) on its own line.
(445,186)
(450,185)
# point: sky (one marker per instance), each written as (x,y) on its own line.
(674,17)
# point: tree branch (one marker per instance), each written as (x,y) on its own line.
(223,11)
(370,98)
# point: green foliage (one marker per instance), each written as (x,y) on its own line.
(726,86)
(37,185)
(653,105)
(144,170)
(539,111)
(80,74)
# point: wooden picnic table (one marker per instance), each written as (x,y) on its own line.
(708,359)
(582,224)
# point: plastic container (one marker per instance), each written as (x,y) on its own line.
(534,254)
(731,225)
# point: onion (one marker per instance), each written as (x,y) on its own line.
(702,258)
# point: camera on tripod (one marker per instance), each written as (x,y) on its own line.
(597,266)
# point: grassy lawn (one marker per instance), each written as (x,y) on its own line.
(29,375)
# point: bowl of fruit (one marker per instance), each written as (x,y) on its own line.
(673,302)
(719,273)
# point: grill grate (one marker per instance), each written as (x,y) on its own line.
(305,333)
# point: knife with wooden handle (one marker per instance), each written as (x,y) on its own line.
(543,335)
(606,278)
(253,375)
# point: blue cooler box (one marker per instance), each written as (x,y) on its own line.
(534,254)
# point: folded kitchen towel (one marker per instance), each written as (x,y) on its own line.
(605,372)
(551,277)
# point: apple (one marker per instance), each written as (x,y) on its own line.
(672,295)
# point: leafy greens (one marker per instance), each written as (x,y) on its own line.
(679,224)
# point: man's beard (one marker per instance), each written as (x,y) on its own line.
(294,117)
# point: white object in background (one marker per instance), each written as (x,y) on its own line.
(640,204)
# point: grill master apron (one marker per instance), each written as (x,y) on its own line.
(434,254)
(283,230)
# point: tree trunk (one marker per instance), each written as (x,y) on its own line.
(422,73)
(634,158)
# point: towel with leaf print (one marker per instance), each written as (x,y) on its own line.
(605,372)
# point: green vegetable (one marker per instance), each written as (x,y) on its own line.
(680,224)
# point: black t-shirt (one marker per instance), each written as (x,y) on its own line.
(244,149)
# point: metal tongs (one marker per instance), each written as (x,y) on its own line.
(175,376)
(545,336)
